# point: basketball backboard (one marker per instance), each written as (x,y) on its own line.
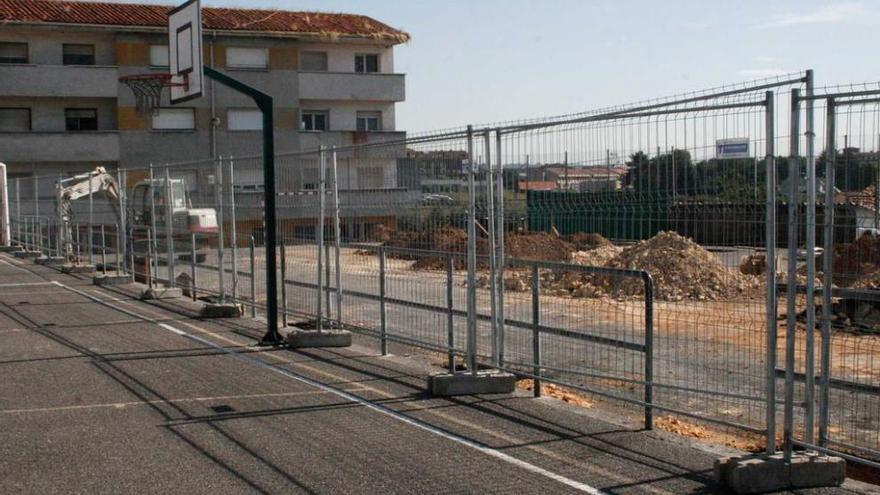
(185,51)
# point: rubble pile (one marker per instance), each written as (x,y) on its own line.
(857,263)
(537,246)
(598,256)
(681,269)
(583,241)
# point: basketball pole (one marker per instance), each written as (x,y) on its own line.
(264,103)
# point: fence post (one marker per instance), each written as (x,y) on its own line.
(283,284)
(792,283)
(152,225)
(169,225)
(192,267)
(336,241)
(18,210)
(810,344)
(36,184)
(450,315)
(771,295)
(536,330)
(500,258)
(218,191)
(234,230)
(490,231)
(121,229)
(103,251)
(827,270)
(149,273)
(649,350)
(78,249)
(253,278)
(383,318)
(319,240)
(63,236)
(90,230)
(472,257)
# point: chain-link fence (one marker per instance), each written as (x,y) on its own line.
(657,256)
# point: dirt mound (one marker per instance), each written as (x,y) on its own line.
(583,241)
(598,256)
(681,269)
(856,260)
(539,246)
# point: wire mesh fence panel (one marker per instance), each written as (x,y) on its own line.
(846,405)
(657,255)
(679,191)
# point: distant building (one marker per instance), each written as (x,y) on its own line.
(582,179)
(63,109)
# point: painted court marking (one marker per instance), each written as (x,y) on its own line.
(568,460)
(577,485)
(122,405)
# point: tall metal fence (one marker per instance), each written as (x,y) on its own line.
(693,256)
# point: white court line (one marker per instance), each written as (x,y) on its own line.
(25,284)
(577,485)
(122,405)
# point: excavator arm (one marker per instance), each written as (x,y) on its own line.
(80,186)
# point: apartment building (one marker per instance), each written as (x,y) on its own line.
(63,109)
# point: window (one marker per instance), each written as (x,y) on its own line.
(15,119)
(370,178)
(81,119)
(314,120)
(79,54)
(158,55)
(244,119)
(13,53)
(247,58)
(366,63)
(369,121)
(316,61)
(174,119)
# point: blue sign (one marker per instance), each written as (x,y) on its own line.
(732,148)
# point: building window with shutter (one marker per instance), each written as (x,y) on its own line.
(174,119)
(313,61)
(81,119)
(247,58)
(244,119)
(79,54)
(366,62)
(369,121)
(13,53)
(15,119)
(159,56)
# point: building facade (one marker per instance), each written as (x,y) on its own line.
(63,109)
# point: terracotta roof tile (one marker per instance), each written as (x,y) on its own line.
(136,15)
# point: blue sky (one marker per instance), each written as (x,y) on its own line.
(491,60)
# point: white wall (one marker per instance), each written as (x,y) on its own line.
(340,58)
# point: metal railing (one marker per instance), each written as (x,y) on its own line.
(442,242)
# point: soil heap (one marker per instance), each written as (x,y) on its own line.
(681,269)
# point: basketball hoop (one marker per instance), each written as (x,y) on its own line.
(147,89)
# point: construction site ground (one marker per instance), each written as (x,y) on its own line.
(103,393)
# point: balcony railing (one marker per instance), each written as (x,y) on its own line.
(92,146)
(351,86)
(59,80)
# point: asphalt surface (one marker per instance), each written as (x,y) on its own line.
(105,394)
